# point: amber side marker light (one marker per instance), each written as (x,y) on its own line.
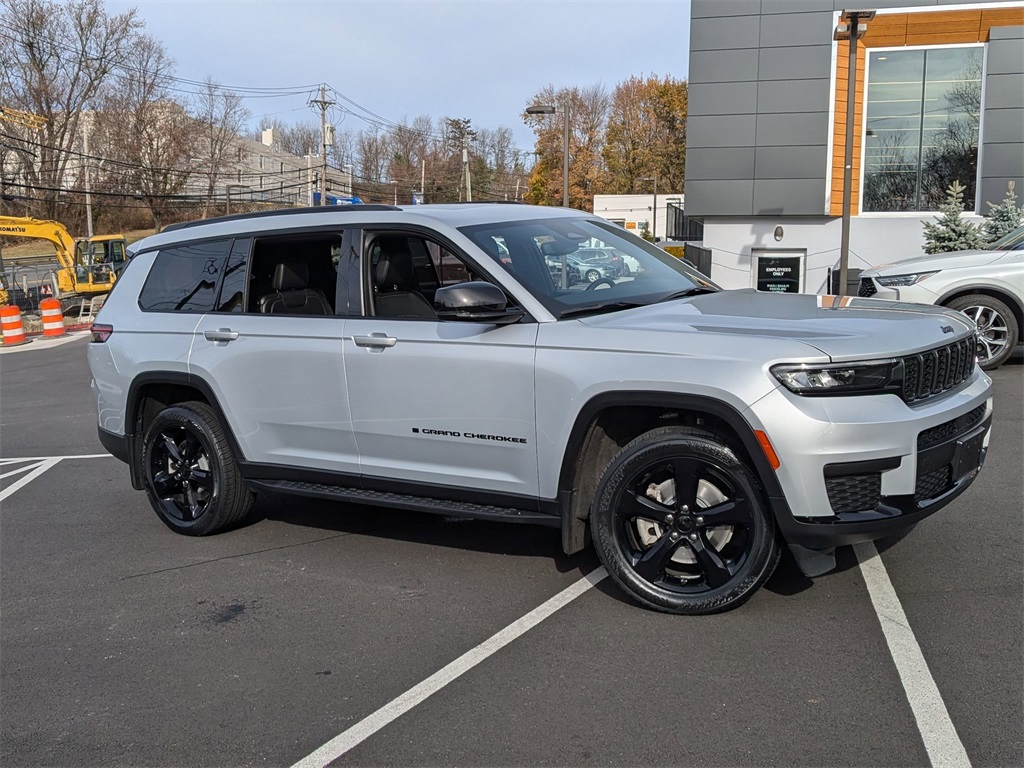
(766,446)
(100,333)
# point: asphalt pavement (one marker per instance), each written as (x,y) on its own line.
(122,643)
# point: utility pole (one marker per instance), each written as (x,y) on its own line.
(88,180)
(465,164)
(423,180)
(309,178)
(323,103)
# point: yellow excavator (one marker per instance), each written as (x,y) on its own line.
(88,266)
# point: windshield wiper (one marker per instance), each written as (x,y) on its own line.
(608,306)
(697,290)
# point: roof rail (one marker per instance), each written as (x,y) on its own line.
(490,202)
(280,212)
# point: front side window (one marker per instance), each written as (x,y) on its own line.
(184,278)
(403,271)
(921,127)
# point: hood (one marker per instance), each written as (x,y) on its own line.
(936,261)
(844,328)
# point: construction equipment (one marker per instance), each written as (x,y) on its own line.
(88,266)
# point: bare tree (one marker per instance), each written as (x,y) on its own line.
(146,138)
(220,118)
(54,60)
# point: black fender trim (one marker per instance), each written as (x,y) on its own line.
(573,528)
(133,430)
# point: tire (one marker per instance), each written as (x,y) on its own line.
(190,473)
(663,550)
(998,333)
(593,275)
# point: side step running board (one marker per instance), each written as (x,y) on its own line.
(402,501)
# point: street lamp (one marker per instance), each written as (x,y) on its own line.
(548,109)
(852,26)
(654,218)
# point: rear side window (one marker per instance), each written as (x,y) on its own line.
(184,278)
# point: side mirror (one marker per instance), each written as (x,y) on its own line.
(476,302)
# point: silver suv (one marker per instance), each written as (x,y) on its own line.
(427,358)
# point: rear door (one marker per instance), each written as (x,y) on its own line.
(438,406)
(279,377)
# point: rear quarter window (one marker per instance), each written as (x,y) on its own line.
(184,278)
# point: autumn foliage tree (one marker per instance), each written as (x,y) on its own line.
(646,135)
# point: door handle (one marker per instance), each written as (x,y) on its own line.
(375,340)
(221,334)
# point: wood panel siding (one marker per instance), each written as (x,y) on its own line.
(889,30)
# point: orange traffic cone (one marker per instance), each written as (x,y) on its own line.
(53,318)
(13,330)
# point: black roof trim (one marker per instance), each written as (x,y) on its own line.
(279,212)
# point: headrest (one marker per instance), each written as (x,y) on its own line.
(395,269)
(291,276)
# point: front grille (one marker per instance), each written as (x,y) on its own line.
(854,493)
(937,370)
(867,287)
(933,484)
(949,429)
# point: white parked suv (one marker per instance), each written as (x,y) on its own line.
(426,358)
(987,285)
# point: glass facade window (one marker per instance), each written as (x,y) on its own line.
(921,127)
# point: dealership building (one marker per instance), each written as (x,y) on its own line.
(939,98)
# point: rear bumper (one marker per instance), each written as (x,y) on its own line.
(116,445)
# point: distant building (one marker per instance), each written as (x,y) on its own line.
(940,97)
(637,212)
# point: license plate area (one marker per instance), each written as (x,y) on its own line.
(968,454)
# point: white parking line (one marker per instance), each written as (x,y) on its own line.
(42,467)
(368,726)
(19,470)
(42,463)
(937,731)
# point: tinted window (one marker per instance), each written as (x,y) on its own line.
(184,278)
(232,290)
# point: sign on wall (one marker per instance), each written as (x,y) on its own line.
(778,271)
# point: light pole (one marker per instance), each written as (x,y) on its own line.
(852,26)
(654,217)
(549,109)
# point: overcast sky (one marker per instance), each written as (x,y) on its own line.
(481,59)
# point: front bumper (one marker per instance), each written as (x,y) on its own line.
(856,469)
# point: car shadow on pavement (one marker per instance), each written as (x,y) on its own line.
(520,540)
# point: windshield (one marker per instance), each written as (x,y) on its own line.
(1011,241)
(572,265)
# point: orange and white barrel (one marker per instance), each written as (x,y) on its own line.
(53,318)
(13,330)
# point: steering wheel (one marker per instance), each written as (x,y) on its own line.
(606,282)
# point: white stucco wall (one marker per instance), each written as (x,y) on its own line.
(874,240)
(634,210)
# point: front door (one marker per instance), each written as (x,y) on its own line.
(436,403)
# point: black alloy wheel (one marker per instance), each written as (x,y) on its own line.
(681,524)
(190,473)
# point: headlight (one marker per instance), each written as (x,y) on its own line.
(895,281)
(873,377)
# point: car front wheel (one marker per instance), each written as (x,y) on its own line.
(998,333)
(681,525)
(190,473)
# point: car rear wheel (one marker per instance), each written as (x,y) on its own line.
(190,473)
(681,525)
(593,275)
(998,333)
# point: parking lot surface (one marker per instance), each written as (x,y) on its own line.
(122,643)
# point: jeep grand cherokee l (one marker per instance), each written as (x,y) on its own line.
(691,432)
